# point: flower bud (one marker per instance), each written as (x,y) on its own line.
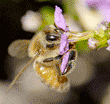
(92,43)
(108,48)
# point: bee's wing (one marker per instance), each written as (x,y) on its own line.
(18,48)
(24,70)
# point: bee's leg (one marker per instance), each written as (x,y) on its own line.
(71,61)
(55,25)
(57,59)
(56,30)
(70,51)
(57,62)
(60,30)
(58,69)
(75,54)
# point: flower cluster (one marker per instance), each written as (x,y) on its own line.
(101,37)
(104,8)
(96,38)
(92,43)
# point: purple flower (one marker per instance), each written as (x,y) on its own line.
(103,6)
(64,45)
(64,62)
(108,48)
(64,42)
(92,43)
(59,19)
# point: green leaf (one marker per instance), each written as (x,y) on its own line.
(109,24)
(106,34)
(103,41)
(97,37)
(82,46)
(101,33)
(47,15)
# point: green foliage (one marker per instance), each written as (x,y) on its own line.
(47,16)
(82,46)
(109,24)
(76,18)
(87,35)
(100,35)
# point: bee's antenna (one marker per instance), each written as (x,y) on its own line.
(12,83)
(55,25)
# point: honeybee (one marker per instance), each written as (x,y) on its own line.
(43,48)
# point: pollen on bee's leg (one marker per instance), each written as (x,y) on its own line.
(64,84)
(52,81)
(55,85)
(62,79)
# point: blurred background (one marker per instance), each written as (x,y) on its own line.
(21,19)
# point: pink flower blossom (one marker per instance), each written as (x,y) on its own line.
(64,42)
(108,48)
(92,43)
(64,62)
(103,6)
(64,45)
(59,19)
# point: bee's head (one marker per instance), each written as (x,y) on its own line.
(45,42)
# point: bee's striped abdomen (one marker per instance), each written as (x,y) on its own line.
(50,77)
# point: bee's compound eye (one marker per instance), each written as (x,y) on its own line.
(51,37)
(48,59)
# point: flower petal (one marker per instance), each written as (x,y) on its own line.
(64,62)
(108,41)
(64,45)
(67,46)
(64,42)
(59,19)
(92,43)
(108,48)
